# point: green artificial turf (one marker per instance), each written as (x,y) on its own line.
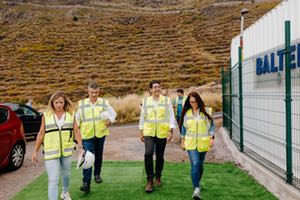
(126,180)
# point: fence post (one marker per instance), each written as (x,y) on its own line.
(230,100)
(223,98)
(241,99)
(288,100)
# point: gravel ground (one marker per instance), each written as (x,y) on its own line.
(122,144)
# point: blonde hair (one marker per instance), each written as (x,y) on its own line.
(68,107)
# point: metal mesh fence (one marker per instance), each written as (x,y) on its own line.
(264,117)
(226,100)
(264,114)
(235,105)
(295,86)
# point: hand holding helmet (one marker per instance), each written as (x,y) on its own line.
(85,160)
(105,117)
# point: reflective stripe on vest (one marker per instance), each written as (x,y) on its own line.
(197,132)
(51,153)
(91,123)
(58,142)
(67,150)
(49,126)
(157,120)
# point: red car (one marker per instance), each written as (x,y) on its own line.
(12,139)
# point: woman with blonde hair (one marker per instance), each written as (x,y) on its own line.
(57,135)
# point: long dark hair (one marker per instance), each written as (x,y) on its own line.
(188,106)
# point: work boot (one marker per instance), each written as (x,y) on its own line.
(149,186)
(98,179)
(158,182)
(85,187)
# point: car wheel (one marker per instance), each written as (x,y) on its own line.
(17,156)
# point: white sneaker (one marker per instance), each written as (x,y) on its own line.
(196,194)
(65,196)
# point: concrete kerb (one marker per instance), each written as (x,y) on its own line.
(271,181)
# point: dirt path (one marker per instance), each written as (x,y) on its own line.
(122,144)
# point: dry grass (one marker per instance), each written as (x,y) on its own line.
(210,93)
(43,49)
(128,107)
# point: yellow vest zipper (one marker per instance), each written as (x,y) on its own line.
(155,122)
(93,121)
(61,145)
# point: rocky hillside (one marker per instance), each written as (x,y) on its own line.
(61,45)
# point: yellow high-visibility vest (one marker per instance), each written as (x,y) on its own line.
(175,104)
(157,120)
(58,142)
(91,123)
(197,132)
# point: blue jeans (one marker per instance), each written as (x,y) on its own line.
(197,161)
(54,167)
(94,145)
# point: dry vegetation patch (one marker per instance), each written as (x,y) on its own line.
(51,47)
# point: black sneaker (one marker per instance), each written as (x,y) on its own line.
(85,187)
(98,179)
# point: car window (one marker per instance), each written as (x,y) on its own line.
(3,115)
(19,111)
(27,111)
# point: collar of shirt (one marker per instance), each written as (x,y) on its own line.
(93,104)
(155,102)
(197,115)
(60,122)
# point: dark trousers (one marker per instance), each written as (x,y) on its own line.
(159,145)
(178,123)
(178,119)
(94,145)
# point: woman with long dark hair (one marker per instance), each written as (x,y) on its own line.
(197,136)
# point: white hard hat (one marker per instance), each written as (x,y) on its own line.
(104,115)
(85,160)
